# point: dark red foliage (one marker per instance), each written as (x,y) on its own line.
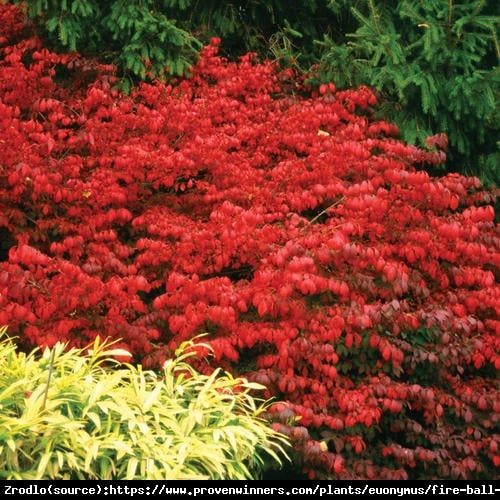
(289,225)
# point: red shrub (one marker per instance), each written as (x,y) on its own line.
(292,227)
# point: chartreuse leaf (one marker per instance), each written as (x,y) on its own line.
(122,422)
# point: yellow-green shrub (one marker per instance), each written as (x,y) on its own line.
(79,414)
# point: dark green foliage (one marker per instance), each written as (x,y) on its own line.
(143,41)
(435,64)
(128,31)
(153,37)
(169,32)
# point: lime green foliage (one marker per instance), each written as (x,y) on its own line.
(436,66)
(77,414)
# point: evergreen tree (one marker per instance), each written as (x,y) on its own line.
(435,64)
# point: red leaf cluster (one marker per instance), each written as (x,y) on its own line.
(290,225)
